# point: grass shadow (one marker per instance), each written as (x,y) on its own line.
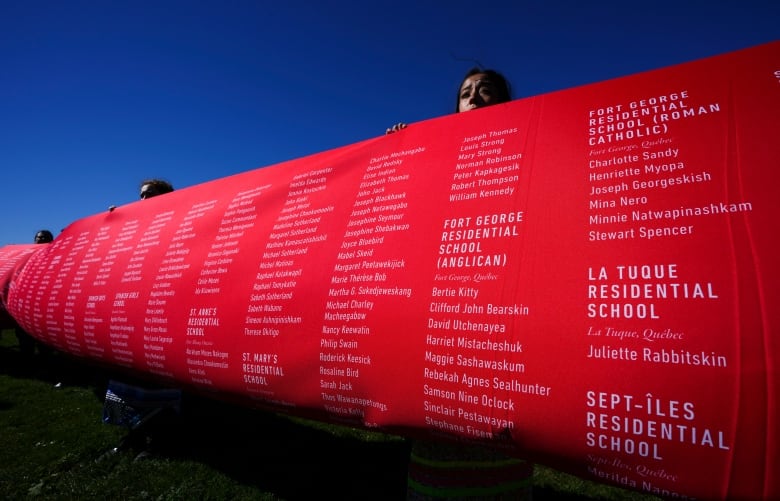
(257,448)
(279,455)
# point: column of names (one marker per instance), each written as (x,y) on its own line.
(272,311)
(157,335)
(121,328)
(474,367)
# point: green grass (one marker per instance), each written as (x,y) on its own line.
(53,445)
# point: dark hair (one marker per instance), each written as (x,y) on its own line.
(156,187)
(502,86)
(43,237)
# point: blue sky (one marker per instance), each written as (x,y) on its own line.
(97,95)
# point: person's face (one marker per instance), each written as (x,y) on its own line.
(41,238)
(148,191)
(477,91)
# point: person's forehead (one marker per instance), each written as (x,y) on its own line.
(477,78)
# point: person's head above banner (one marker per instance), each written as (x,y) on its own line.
(481,88)
(43,237)
(153,187)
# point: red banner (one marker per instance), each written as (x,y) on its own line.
(582,277)
(12,259)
